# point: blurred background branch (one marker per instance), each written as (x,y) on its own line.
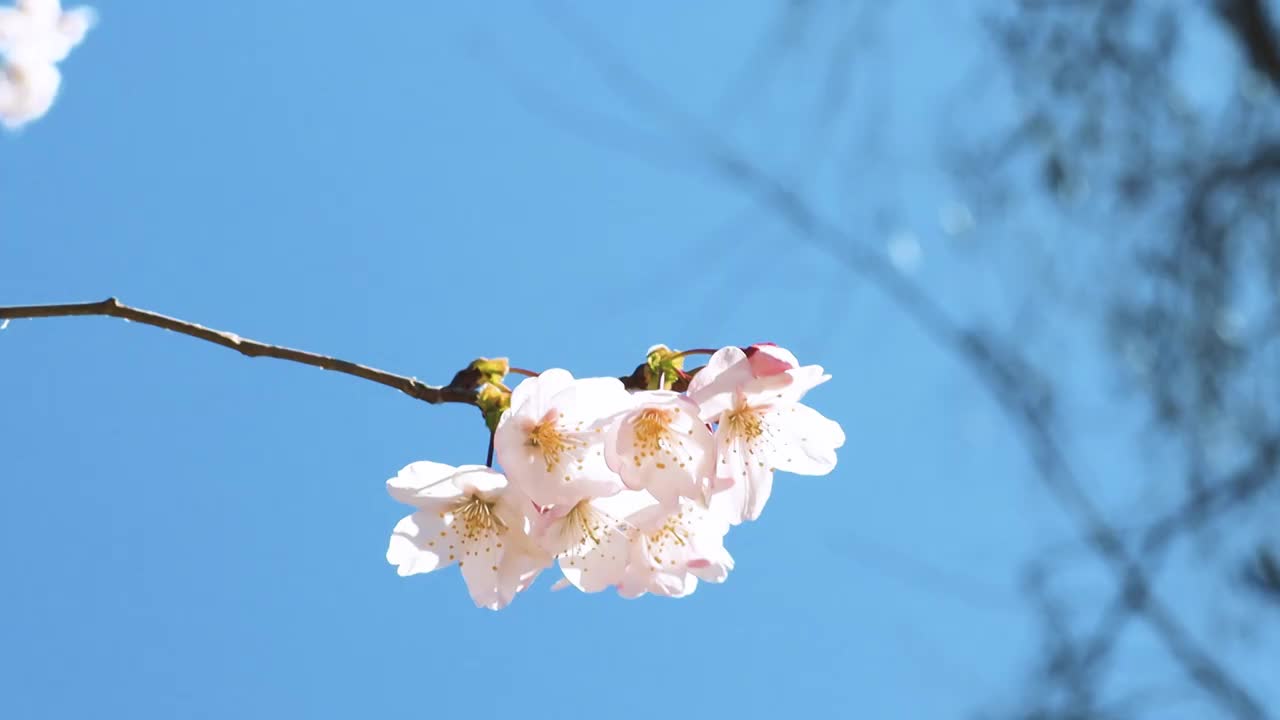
(1179,202)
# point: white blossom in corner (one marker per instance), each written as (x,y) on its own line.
(36,35)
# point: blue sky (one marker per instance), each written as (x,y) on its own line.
(190,533)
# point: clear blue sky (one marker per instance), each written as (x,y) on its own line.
(189,533)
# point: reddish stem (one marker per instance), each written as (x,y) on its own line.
(695,351)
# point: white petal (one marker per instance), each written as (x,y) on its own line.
(805,442)
(41,9)
(597,557)
(594,566)
(494,579)
(13,25)
(423,481)
(481,577)
(520,566)
(512,450)
(592,401)
(624,504)
(27,91)
(749,476)
(783,389)
(532,397)
(713,387)
(479,479)
(75,24)
(420,543)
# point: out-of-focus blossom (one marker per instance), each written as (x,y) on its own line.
(36,35)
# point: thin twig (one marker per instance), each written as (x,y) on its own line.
(112,307)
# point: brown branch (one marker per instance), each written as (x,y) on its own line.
(454,392)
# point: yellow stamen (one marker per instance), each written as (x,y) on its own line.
(652,429)
(548,437)
(475,518)
(744,422)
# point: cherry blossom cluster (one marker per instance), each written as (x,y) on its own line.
(35,35)
(627,490)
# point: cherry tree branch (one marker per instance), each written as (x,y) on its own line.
(457,391)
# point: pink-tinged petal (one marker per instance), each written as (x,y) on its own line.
(711,572)
(674,586)
(421,482)
(713,387)
(805,442)
(769,359)
(630,592)
(561,584)
(712,562)
(786,388)
(421,543)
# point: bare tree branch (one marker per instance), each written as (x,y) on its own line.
(1012,381)
(1251,22)
(457,391)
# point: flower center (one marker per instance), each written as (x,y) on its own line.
(651,428)
(745,422)
(475,518)
(548,437)
(672,535)
(584,523)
